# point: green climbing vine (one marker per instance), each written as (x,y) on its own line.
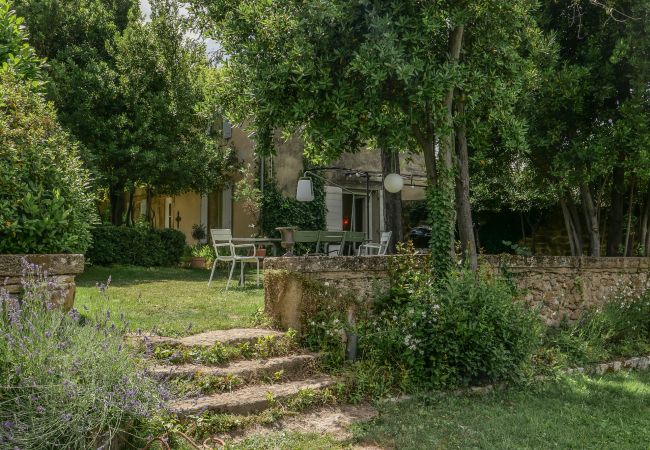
(441,217)
(279,210)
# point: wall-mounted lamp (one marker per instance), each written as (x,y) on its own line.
(305,190)
(178,219)
(393,183)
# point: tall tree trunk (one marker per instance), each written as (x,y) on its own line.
(570,229)
(448,143)
(645,225)
(148,205)
(129,209)
(591,217)
(577,224)
(455,45)
(617,210)
(463,206)
(116,197)
(629,242)
(426,141)
(392,202)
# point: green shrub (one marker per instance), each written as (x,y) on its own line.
(620,328)
(45,200)
(65,382)
(473,329)
(139,246)
(281,211)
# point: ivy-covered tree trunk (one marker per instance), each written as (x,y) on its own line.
(463,206)
(392,202)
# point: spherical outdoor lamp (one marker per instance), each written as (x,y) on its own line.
(305,190)
(393,183)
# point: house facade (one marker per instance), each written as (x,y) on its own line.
(348,206)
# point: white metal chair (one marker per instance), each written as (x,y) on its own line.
(381,248)
(222,240)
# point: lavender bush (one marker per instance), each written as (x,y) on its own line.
(65,382)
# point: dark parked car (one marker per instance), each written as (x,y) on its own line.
(420,236)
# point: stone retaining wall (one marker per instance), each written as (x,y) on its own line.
(559,286)
(61,270)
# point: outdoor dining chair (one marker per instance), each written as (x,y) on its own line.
(332,243)
(307,237)
(380,248)
(353,239)
(226,251)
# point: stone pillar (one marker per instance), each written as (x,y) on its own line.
(61,270)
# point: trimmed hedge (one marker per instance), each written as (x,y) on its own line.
(137,246)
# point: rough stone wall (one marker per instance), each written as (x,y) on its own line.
(61,270)
(560,287)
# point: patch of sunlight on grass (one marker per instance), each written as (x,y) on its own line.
(174,301)
(575,412)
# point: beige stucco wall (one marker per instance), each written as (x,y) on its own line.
(287,166)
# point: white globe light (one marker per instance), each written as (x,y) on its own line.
(393,183)
(304,191)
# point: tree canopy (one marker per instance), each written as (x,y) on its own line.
(135,91)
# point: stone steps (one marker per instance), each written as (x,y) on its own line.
(248,400)
(209,338)
(291,366)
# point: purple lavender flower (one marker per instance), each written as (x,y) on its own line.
(8,424)
(40,409)
(74,315)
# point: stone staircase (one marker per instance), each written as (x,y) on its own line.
(259,387)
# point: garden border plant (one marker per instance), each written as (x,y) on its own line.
(64,378)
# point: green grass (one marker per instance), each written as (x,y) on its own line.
(169,299)
(576,412)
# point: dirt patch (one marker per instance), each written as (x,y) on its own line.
(333,420)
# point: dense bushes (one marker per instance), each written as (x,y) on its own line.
(138,245)
(45,202)
(65,383)
(472,330)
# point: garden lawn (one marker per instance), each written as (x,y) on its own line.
(575,412)
(174,301)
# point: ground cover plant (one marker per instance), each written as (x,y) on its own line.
(265,347)
(171,300)
(620,328)
(65,381)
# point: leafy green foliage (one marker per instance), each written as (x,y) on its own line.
(63,380)
(45,203)
(472,331)
(281,211)
(16,55)
(138,246)
(134,92)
